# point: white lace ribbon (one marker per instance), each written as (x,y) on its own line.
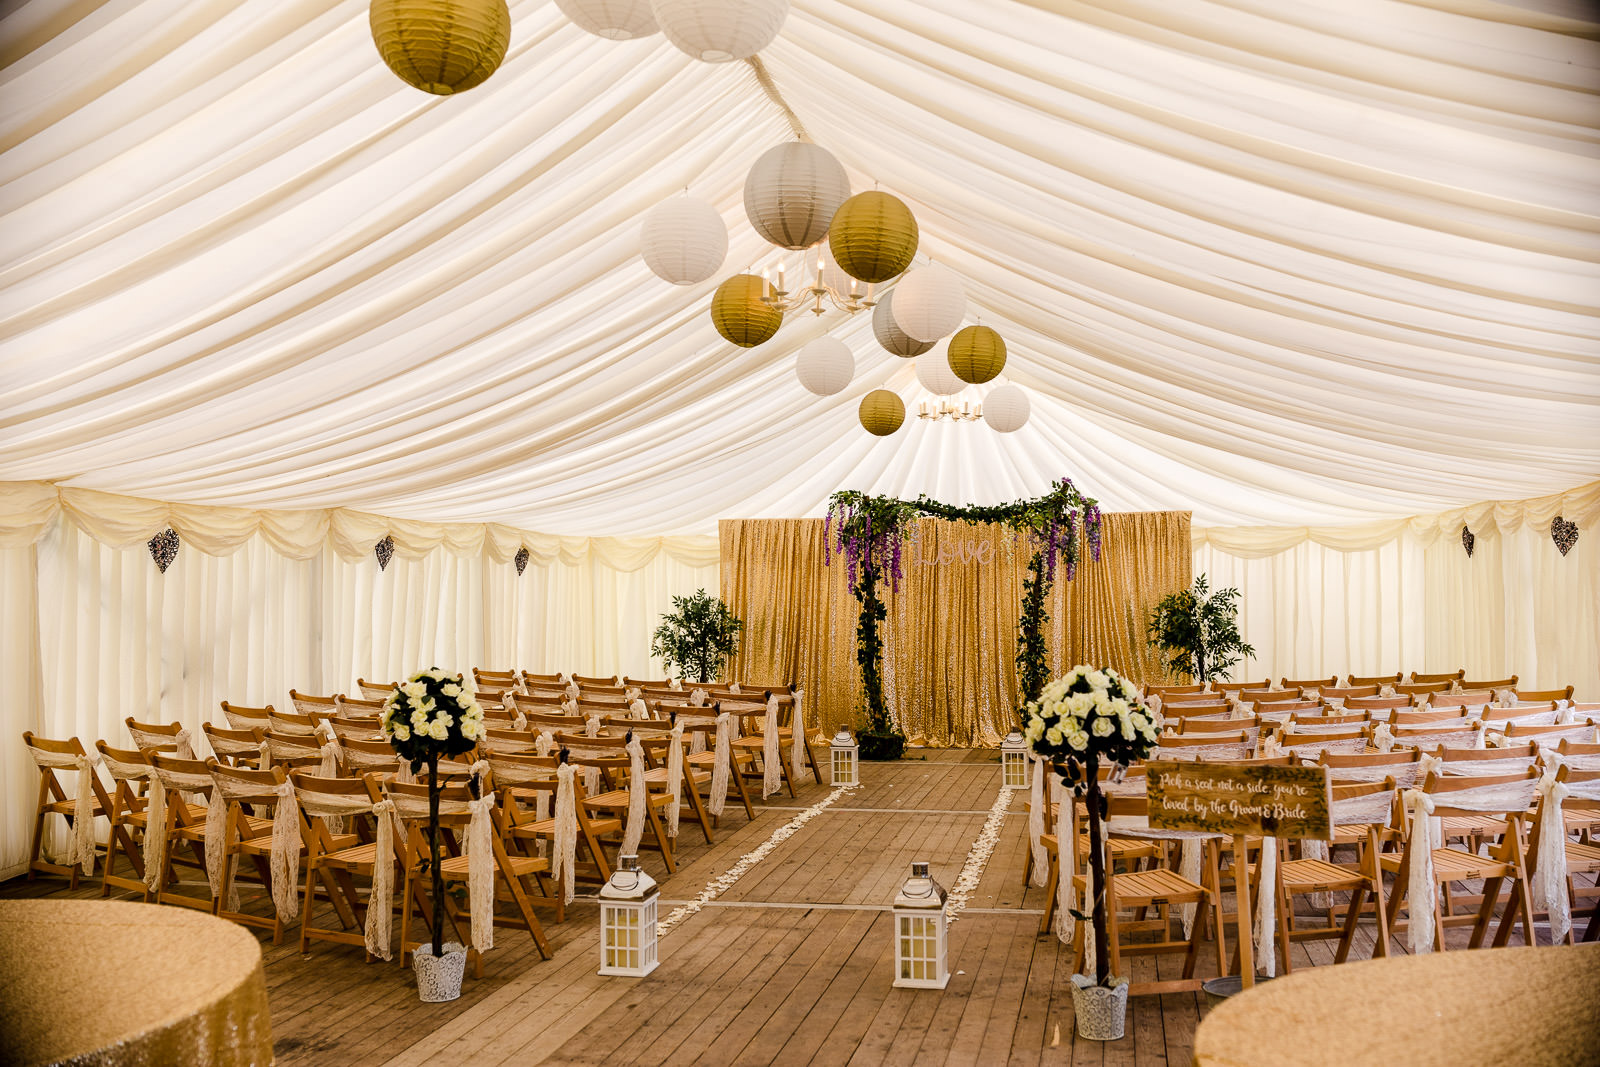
(637,709)
(722,763)
(1066,879)
(674,776)
(699,698)
(633,831)
(675,685)
(1549,882)
(797,742)
(480,870)
(573,691)
(380,905)
(564,858)
(1036,821)
(771,758)
(1266,916)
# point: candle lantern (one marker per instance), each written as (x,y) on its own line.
(920,932)
(844,751)
(1014,761)
(628,921)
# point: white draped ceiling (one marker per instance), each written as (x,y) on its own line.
(1280,263)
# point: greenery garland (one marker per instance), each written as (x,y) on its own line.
(869,531)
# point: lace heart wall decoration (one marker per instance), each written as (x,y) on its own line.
(522,560)
(1564,533)
(384,550)
(164,548)
(1468,539)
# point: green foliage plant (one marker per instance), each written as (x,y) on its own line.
(697,637)
(1198,631)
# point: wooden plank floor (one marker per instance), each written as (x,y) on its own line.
(792,965)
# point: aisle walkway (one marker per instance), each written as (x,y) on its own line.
(791,965)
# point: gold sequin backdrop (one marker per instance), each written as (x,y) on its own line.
(949,669)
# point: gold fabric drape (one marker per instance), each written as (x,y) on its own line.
(950,675)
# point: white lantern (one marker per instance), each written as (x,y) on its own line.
(1006,408)
(825,366)
(933,371)
(628,921)
(1014,761)
(683,240)
(718,31)
(920,933)
(792,192)
(615,20)
(844,751)
(892,337)
(929,302)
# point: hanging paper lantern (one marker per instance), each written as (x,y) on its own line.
(1006,408)
(739,313)
(615,20)
(873,236)
(441,46)
(718,31)
(826,366)
(934,372)
(977,354)
(930,302)
(683,240)
(891,336)
(882,412)
(792,192)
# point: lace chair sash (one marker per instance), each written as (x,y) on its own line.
(1477,768)
(564,854)
(1550,863)
(771,761)
(285,849)
(1206,754)
(633,829)
(674,777)
(182,741)
(1405,775)
(1421,839)
(1036,820)
(797,740)
(721,764)
(1374,808)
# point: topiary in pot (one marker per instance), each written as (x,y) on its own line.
(697,637)
(1198,631)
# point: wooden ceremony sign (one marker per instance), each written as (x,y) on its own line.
(1222,798)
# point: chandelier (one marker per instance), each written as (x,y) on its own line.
(820,281)
(944,409)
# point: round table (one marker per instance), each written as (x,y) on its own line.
(113,982)
(1527,1006)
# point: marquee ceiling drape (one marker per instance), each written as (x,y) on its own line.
(1280,264)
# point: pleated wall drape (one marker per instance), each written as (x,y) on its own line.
(950,638)
(1418,603)
(94,634)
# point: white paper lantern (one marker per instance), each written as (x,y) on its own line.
(933,371)
(1006,408)
(683,240)
(719,31)
(892,337)
(826,366)
(792,192)
(930,302)
(615,20)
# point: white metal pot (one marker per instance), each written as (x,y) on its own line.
(1102,1013)
(439,977)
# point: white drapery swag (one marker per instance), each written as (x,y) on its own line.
(80,844)
(380,904)
(1421,888)
(771,759)
(638,799)
(284,864)
(1550,863)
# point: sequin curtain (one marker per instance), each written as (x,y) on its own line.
(949,664)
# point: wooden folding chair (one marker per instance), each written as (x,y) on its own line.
(356,708)
(375,690)
(1472,798)
(1465,699)
(1373,679)
(1539,696)
(511,873)
(1381,707)
(243,718)
(609,756)
(1367,807)
(1582,857)
(1165,691)
(527,786)
(294,722)
(161,736)
(236,748)
(1493,684)
(336,868)
(695,721)
(1310,683)
(126,809)
(1221,686)
(1422,690)
(244,836)
(584,680)
(79,808)
(543,681)
(359,729)
(315,706)
(1425,713)
(1447,677)
(183,827)
(752,744)
(1347,692)
(655,735)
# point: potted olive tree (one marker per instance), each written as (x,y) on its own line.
(697,637)
(1198,631)
(1082,721)
(432,714)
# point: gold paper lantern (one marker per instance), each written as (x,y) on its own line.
(739,313)
(441,46)
(873,236)
(882,412)
(977,354)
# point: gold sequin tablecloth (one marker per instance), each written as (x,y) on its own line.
(1533,1007)
(107,982)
